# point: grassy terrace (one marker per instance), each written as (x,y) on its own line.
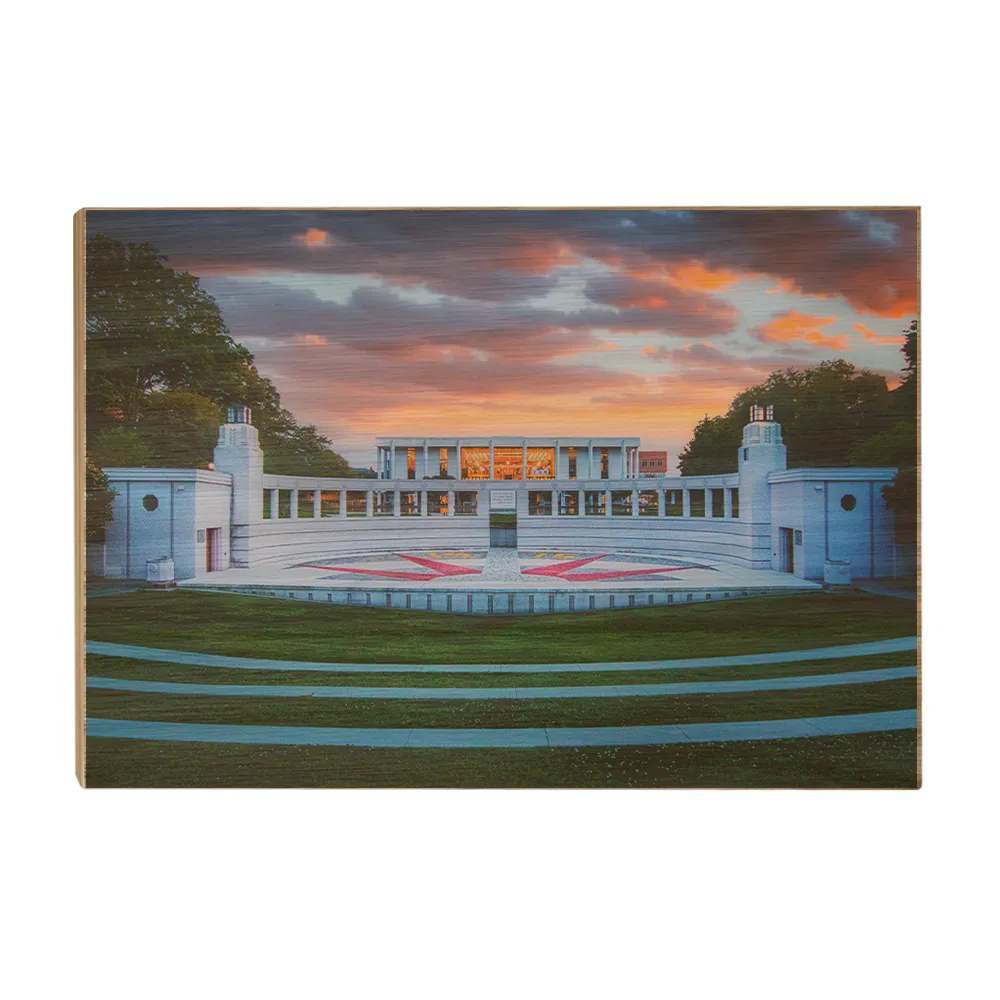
(873,760)
(148,670)
(733,707)
(245,626)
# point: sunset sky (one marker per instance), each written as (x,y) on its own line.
(610,323)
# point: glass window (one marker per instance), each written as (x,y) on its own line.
(437,503)
(475,463)
(382,503)
(409,504)
(621,503)
(443,462)
(466,503)
(594,503)
(604,463)
(411,463)
(541,463)
(572,463)
(507,463)
(569,502)
(540,502)
(649,503)
(356,503)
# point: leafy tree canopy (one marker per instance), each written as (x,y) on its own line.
(98,498)
(161,362)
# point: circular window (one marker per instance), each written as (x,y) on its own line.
(150,502)
(848,501)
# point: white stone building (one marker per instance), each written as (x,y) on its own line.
(552,492)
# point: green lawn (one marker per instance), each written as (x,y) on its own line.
(150,670)
(246,626)
(849,699)
(866,760)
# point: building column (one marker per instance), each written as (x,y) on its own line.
(555,462)
(590,460)
(524,461)
(451,503)
(661,499)
(343,503)
(491,459)
(581,502)
(423,503)
(294,496)
(368,503)
(274,505)
(686,502)
(317,503)
(426,458)
(624,470)
(708,503)
(390,470)
(395,503)
(635,503)
(727,503)
(607,503)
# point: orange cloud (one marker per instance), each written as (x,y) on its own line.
(314,339)
(792,325)
(872,337)
(314,238)
(696,277)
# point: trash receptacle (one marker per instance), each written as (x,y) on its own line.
(160,571)
(837,573)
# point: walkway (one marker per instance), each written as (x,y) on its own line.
(441,693)
(712,732)
(904,644)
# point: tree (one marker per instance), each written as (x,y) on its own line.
(98,500)
(119,447)
(824,412)
(160,360)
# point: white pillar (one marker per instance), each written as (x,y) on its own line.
(590,460)
(555,462)
(727,503)
(426,453)
(581,501)
(295,503)
(491,459)
(624,470)
(635,503)
(423,503)
(524,461)
(451,503)
(708,502)
(274,505)
(392,461)
(317,503)
(368,503)
(686,503)
(395,503)
(607,503)
(661,499)
(343,503)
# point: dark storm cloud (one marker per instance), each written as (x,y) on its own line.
(868,257)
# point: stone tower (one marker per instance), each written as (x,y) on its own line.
(761,453)
(238,453)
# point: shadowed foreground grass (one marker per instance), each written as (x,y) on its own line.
(882,696)
(866,760)
(293,630)
(181,673)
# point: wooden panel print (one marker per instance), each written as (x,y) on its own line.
(499,498)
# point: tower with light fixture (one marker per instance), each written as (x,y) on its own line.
(238,452)
(761,453)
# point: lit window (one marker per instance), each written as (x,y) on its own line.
(411,463)
(507,463)
(572,463)
(541,463)
(475,463)
(443,461)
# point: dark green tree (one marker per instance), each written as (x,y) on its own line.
(824,411)
(160,358)
(98,500)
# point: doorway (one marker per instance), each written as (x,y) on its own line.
(212,549)
(786,538)
(503,529)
